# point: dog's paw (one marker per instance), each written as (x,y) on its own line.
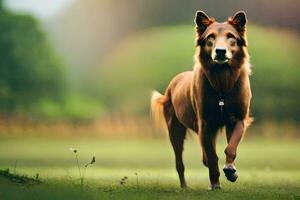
(184,186)
(230,173)
(213,187)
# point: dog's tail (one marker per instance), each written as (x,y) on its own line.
(157,110)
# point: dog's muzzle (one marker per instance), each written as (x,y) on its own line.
(220,57)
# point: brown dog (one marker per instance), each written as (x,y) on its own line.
(215,94)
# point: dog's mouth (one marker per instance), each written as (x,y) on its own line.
(221,59)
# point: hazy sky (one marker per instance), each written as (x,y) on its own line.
(43,9)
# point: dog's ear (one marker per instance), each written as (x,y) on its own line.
(202,21)
(239,21)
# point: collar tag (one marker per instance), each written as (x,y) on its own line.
(221,102)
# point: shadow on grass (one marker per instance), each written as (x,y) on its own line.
(70,189)
(16,178)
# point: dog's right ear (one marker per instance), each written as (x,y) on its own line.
(202,21)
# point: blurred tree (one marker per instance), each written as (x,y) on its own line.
(29,70)
(1,1)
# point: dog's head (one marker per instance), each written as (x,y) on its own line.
(221,43)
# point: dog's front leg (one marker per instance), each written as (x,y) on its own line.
(208,141)
(234,135)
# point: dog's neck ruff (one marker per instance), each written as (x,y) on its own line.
(222,78)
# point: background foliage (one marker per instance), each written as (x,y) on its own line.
(100,69)
(30,71)
(151,58)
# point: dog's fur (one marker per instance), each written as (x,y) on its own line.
(194,99)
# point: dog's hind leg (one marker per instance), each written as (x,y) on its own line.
(177,134)
(234,135)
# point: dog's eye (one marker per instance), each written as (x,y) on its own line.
(211,37)
(231,39)
(230,35)
(210,40)
(232,42)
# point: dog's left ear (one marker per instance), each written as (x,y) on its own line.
(239,21)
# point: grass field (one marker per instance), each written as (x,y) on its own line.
(267,169)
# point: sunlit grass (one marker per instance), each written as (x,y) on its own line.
(141,153)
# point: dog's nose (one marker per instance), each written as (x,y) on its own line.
(220,51)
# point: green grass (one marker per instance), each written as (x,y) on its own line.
(268,169)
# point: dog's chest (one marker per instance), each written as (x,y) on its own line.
(220,108)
